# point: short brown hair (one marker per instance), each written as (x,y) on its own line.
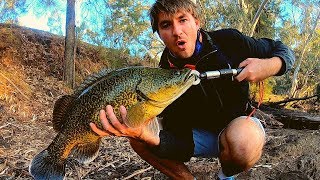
(171,7)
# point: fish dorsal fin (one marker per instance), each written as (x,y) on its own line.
(60,109)
(90,80)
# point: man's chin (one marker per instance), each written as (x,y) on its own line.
(183,55)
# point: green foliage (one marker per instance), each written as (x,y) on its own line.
(117,58)
(297,33)
(282,84)
(116,24)
(267,89)
(228,14)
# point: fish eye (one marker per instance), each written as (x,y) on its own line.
(177,73)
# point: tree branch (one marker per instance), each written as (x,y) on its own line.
(293,99)
(256,17)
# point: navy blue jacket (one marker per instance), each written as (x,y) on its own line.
(212,104)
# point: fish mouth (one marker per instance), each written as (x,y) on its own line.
(196,75)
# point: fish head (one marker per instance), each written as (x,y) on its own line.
(162,86)
(157,88)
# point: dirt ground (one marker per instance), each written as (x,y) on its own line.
(289,155)
(29,86)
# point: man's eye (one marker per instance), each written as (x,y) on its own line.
(164,26)
(183,20)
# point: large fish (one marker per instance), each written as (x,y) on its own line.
(144,91)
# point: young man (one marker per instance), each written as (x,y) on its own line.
(209,120)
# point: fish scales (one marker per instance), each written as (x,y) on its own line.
(144,91)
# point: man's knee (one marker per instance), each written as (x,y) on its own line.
(241,144)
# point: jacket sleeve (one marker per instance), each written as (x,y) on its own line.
(238,44)
(286,55)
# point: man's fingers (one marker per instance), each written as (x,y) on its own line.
(243,74)
(97,130)
(114,120)
(105,123)
(255,70)
(244,63)
(123,112)
(103,119)
(240,77)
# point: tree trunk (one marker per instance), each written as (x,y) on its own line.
(299,62)
(69,56)
(289,118)
(242,8)
(256,17)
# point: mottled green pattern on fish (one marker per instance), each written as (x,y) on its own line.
(144,91)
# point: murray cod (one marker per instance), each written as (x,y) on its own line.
(144,91)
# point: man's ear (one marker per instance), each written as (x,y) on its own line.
(198,23)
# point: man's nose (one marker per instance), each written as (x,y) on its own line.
(176,31)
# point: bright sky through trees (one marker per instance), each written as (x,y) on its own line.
(102,22)
(32,21)
(40,19)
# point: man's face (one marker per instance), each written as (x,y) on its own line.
(179,32)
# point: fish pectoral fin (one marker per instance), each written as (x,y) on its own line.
(86,152)
(152,126)
(61,107)
(141,96)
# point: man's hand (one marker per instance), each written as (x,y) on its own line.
(112,126)
(256,70)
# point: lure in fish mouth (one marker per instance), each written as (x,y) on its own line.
(196,75)
(144,91)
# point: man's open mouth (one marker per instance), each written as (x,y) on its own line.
(181,44)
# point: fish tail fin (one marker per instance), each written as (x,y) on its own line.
(86,152)
(43,167)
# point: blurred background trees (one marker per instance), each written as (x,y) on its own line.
(123,27)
